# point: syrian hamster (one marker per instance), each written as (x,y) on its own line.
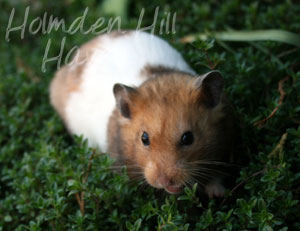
(133,96)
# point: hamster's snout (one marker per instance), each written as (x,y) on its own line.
(168,177)
(169,184)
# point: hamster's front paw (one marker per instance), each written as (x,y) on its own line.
(215,189)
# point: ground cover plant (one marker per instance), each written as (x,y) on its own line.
(51,181)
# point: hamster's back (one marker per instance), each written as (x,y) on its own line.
(112,58)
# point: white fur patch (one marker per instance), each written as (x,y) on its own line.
(114,60)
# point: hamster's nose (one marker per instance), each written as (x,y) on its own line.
(165,181)
(169,185)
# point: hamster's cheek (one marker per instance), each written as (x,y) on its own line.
(151,174)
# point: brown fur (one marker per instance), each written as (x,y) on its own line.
(150,71)
(166,106)
(68,78)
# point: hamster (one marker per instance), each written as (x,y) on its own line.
(134,97)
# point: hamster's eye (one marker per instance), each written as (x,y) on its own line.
(187,138)
(145,139)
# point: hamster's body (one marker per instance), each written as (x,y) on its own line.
(113,58)
(165,98)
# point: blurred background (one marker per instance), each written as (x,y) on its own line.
(173,20)
(41,167)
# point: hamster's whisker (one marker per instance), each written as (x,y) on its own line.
(203,178)
(212,170)
(194,180)
(208,168)
(201,175)
(143,185)
(122,166)
(204,175)
(137,172)
(200,170)
(211,162)
(113,167)
(137,179)
(203,169)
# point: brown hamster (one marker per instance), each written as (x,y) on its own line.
(173,128)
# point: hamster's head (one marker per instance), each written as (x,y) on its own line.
(170,125)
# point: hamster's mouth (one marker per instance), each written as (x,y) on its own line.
(173,189)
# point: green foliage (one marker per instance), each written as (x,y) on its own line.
(49,181)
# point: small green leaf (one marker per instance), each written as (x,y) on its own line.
(7,218)
(71,182)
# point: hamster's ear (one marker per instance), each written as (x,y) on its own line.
(211,88)
(122,95)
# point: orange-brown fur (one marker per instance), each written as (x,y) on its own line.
(165,107)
